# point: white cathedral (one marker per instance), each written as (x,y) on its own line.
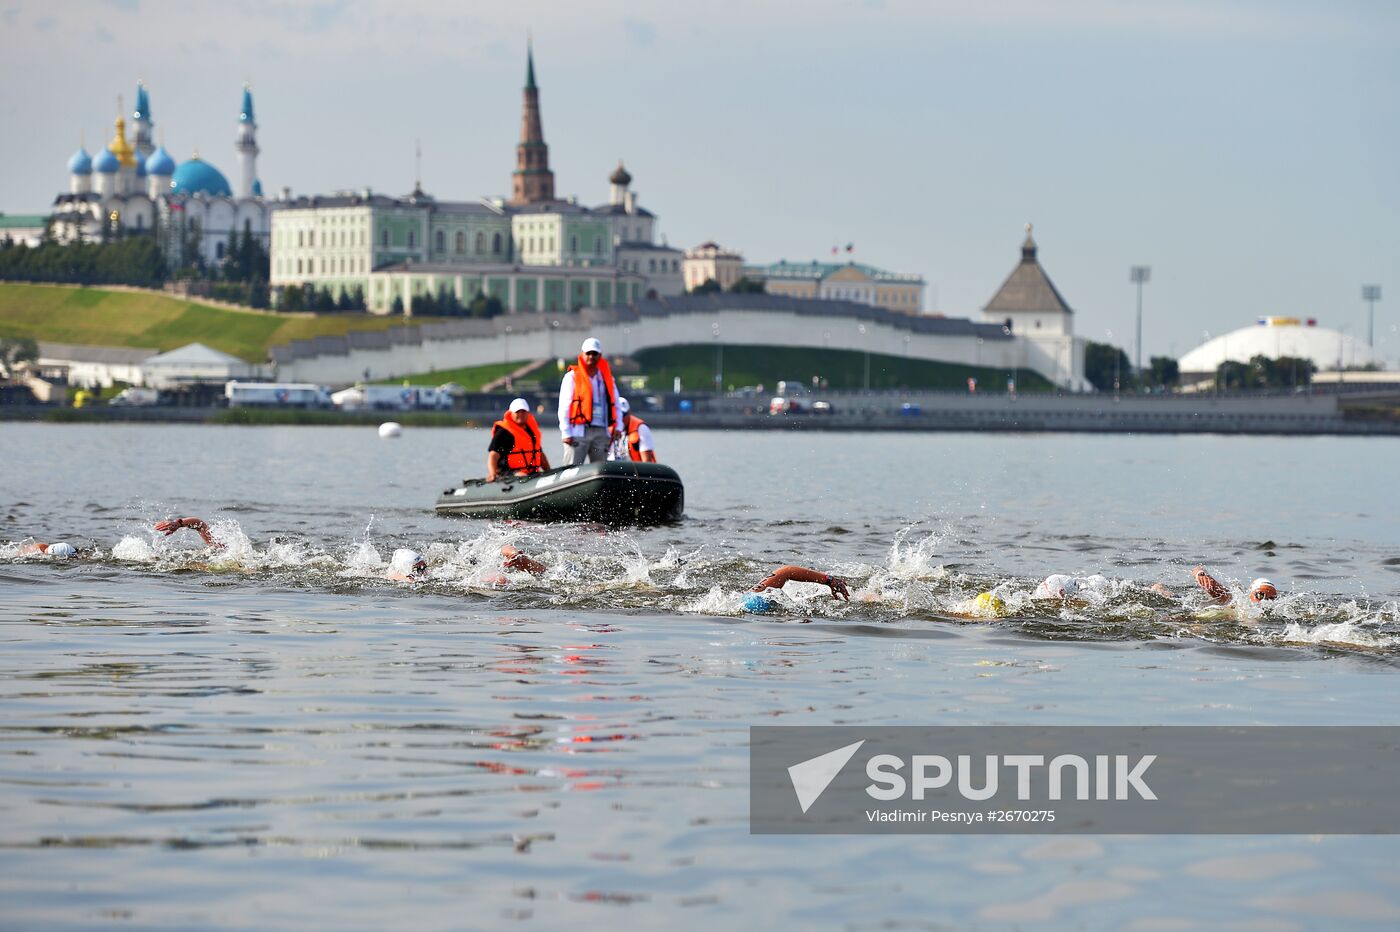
(135,188)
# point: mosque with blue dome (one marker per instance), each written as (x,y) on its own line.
(136,186)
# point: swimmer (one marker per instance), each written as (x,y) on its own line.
(1063,586)
(758,604)
(1261,590)
(198,525)
(406,566)
(60,549)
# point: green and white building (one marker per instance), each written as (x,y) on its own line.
(533,252)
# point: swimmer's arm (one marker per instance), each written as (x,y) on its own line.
(786,574)
(1212,588)
(516,560)
(194,524)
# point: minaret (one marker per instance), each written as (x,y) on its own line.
(141,122)
(533,182)
(247,146)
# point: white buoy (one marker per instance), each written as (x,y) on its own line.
(390,429)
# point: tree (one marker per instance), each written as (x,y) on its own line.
(15,351)
(1102,363)
(708,286)
(397,306)
(748,285)
(483,306)
(1164,371)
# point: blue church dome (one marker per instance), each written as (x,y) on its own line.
(80,163)
(140,168)
(197,176)
(257,187)
(106,162)
(160,163)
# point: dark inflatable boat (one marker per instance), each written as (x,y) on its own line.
(618,492)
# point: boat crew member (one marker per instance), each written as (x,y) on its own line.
(589,419)
(758,604)
(516,444)
(640,449)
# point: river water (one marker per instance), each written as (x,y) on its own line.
(275,734)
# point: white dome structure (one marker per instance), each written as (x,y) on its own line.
(1274,337)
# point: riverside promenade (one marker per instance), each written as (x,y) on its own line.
(1352,412)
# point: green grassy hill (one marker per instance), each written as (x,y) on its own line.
(70,314)
(472,378)
(842,369)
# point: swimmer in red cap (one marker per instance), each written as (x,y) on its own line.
(1261,590)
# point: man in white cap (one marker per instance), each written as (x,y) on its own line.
(516,446)
(589,419)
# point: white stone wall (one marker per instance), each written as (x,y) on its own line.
(1058,359)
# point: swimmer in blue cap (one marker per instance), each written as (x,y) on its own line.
(758,604)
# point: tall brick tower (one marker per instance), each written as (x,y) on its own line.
(532,182)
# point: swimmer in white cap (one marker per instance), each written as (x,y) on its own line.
(1260,590)
(406,566)
(589,418)
(61,550)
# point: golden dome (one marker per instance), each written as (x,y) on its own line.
(120,147)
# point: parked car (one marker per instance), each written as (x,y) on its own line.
(782,405)
(135,395)
(822,407)
(910,409)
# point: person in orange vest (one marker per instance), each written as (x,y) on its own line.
(589,420)
(516,445)
(640,448)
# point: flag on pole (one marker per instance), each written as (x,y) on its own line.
(850,247)
(835,249)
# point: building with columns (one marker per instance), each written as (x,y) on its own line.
(712,261)
(533,251)
(842,281)
(137,187)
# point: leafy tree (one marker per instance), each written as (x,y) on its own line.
(748,285)
(484,306)
(14,352)
(1099,366)
(1164,371)
(708,286)
(397,306)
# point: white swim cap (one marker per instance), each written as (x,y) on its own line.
(1058,586)
(62,549)
(408,561)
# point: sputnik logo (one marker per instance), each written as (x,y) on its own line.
(811,777)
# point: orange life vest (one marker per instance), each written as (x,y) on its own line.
(526,452)
(633,425)
(581,410)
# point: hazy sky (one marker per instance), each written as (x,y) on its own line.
(1248,151)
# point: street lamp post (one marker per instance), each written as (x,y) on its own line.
(866,344)
(1139,275)
(1370,294)
(719,359)
(506,357)
(1117,359)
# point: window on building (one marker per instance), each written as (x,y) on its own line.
(311,237)
(573,244)
(496,244)
(219,249)
(480,242)
(461,242)
(440,241)
(651,265)
(384,238)
(298,266)
(412,239)
(597,246)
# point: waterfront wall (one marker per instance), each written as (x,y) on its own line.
(729,319)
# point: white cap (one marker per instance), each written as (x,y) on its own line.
(1058,586)
(62,549)
(623,406)
(520,404)
(591,345)
(405,560)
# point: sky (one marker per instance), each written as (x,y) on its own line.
(1248,152)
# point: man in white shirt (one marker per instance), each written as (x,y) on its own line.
(589,418)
